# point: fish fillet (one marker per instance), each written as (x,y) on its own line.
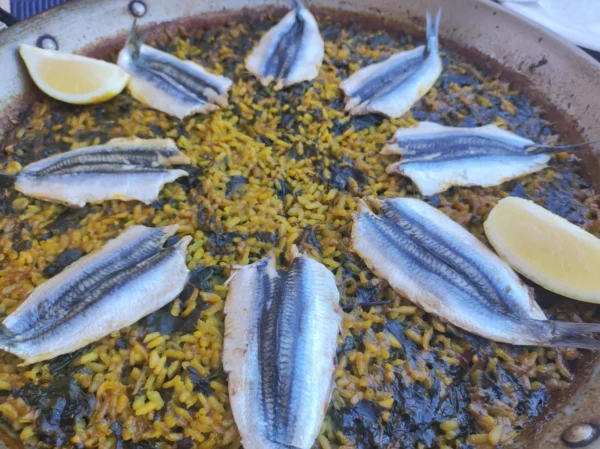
(165,82)
(438,157)
(281,333)
(441,267)
(393,86)
(126,169)
(129,278)
(290,52)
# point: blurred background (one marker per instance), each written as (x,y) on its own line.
(22,9)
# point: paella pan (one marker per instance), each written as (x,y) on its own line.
(282,172)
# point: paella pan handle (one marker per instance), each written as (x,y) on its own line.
(7,18)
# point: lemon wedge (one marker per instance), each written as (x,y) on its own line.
(72,78)
(546,248)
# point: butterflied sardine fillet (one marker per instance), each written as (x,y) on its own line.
(164,82)
(391,87)
(279,351)
(441,267)
(438,157)
(130,277)
(291,52)
(126,169)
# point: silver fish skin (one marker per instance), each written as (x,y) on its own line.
(437,157)
(393,86)
(169,84)
(279,351)
(129,278)
(290,52)
(442,268)
(123,168)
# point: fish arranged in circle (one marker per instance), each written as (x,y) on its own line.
(445,270)
(123,168)
(165,82)
(437,157)
(281,326)
(393,86)
(290,52)
(127,279)
(281,331)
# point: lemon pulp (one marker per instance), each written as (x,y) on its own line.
(73,78)
(546,248)
(77,80)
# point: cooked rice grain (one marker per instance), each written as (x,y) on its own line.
(272,170)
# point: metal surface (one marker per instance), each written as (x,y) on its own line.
(564,75)
(47,42)
(137,8)
(580,435)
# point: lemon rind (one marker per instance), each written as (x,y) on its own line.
(522,266)
(118,81)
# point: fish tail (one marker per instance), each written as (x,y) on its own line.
(170,230)
(433,29)
(136,40)
(181,245)
(297,5)
(574,335)
(7,179)
(551,149)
